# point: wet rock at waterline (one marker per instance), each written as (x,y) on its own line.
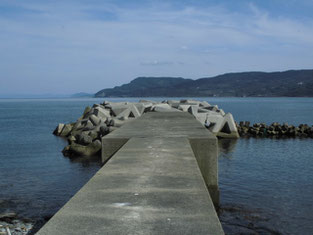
(11,224)
(82,150)
(275,130)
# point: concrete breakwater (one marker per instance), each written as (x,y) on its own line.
(10,223)
(84,135)
(160,174)
(162,178)
(274,130)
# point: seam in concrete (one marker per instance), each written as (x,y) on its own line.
(152,185)
(205,151)
(159,181)
(110,146)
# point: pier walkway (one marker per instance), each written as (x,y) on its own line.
(158,174)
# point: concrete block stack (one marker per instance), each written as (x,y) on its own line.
(275,130)
(84,136)
(215,119)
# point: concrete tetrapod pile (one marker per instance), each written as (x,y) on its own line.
(275,130)
(84,135)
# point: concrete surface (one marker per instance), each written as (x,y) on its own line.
(171,124)
(151,186)
(156,182)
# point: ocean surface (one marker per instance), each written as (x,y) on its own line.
(266,184)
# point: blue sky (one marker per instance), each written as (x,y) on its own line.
(64,47)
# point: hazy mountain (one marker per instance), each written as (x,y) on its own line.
(144,86)
(82,95)
(33,96)
(293,83)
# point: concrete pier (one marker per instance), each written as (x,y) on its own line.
(171,125)
(157,182)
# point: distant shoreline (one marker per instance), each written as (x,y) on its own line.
(291,83)
(145,97)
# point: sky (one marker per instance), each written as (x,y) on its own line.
(70,46)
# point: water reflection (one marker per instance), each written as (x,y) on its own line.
(238,219)
(86,161)
(226,147)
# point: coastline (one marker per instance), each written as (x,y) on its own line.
(11,223)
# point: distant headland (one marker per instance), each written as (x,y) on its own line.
(291,83)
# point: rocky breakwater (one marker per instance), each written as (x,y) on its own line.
(84,135)
(10,223)
(275,130)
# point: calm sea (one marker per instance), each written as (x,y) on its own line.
(266,184)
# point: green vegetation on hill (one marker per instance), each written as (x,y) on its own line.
(292,83)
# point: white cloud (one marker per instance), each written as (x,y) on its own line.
(156,63)
(64,45)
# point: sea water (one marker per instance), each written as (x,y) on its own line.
(266,185)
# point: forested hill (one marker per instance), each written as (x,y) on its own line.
(292,83)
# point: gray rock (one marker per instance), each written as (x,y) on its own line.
(193,109)
(87,110)
(130,112)
(204,104)
(98,105)
(94,119)
(112,128)
(101,113)
(104,130)
(184,107)
(58,129)
(140,107)
(108,121)
(213,108)
(117,123)
(86,113)
(164,108)
(146,101)
(83,138)
(175,105)
(66,149)
(71,139)
(94,134)
(148,107)
(203,110)
(123,118)
(105,103)
(66,130)
(89,150)
(96,144)
(80,124)
(8,215)
(134,112)
(190,102)
(170,102)
(89,126)
(221,111)
(124,115)
(119,108)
